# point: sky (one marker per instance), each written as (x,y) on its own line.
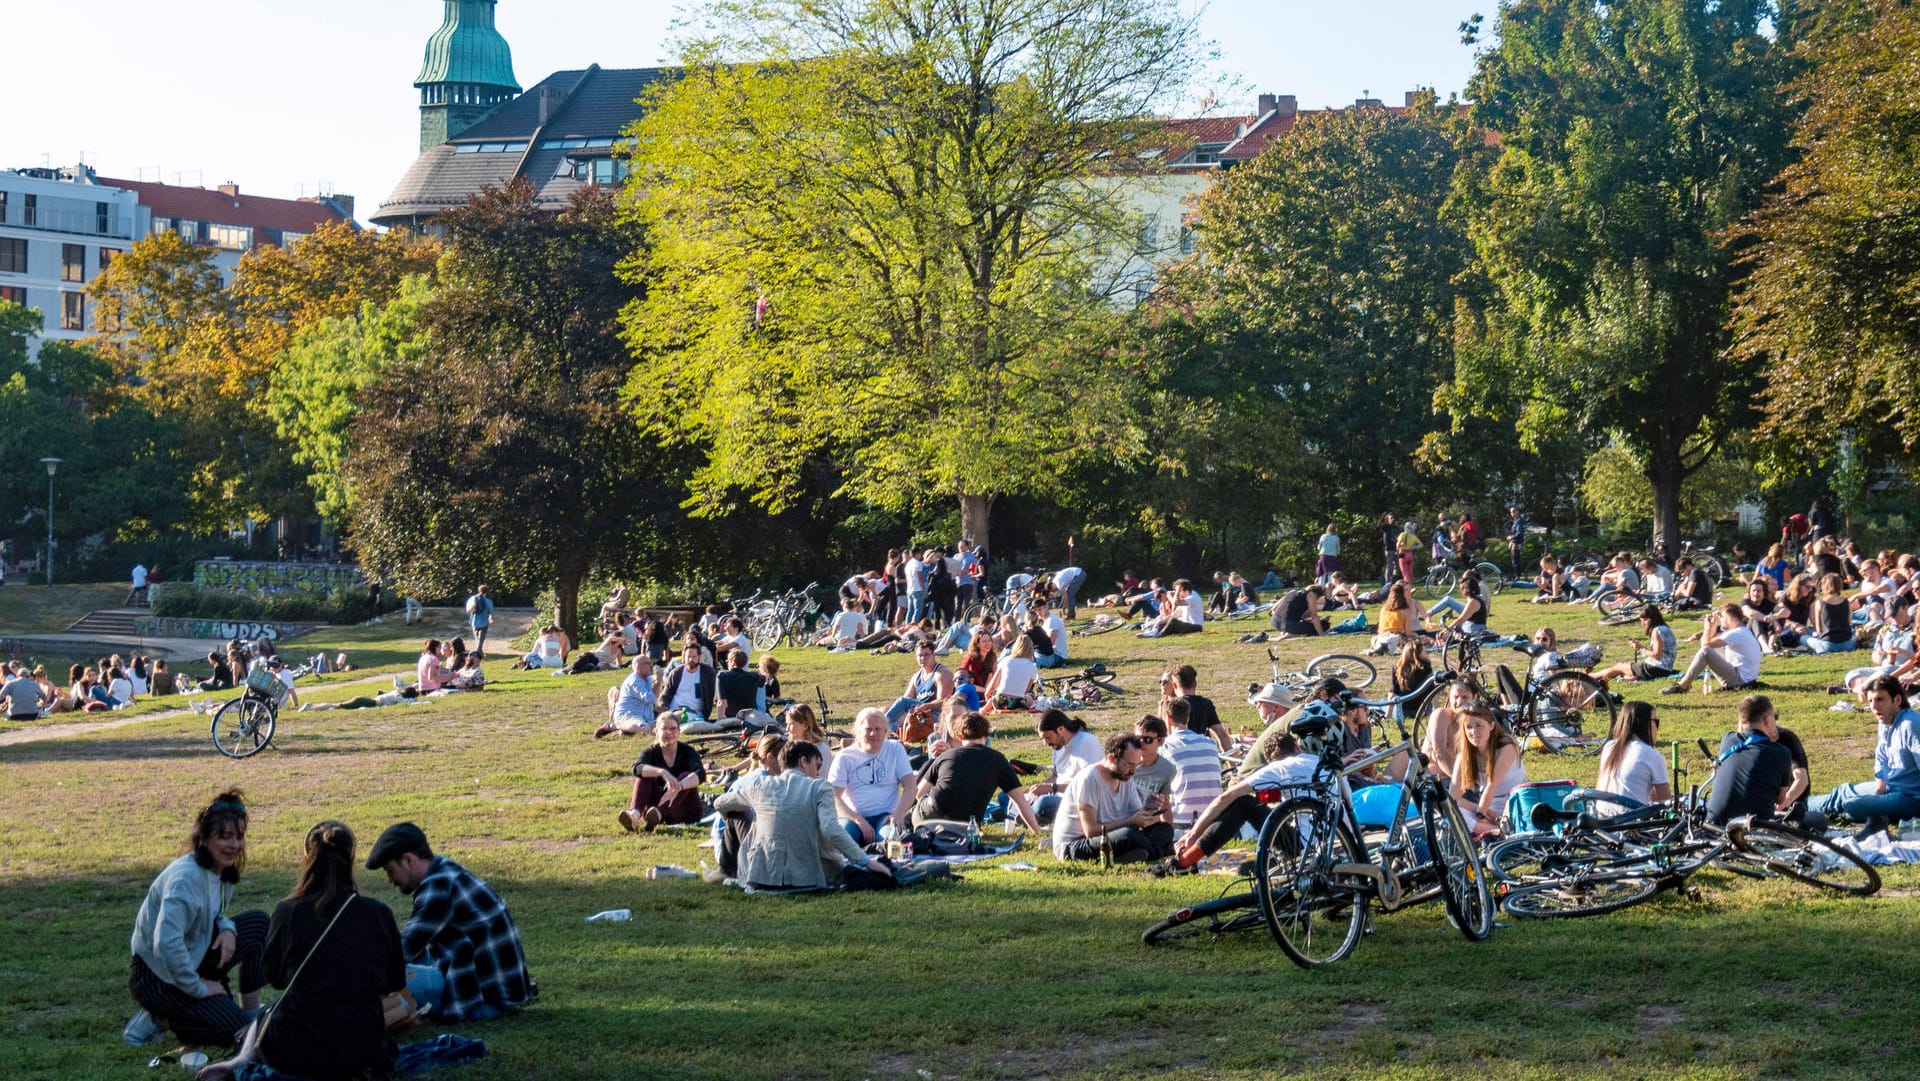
(292,98)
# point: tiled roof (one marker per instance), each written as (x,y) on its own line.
(597,103)
(213,205)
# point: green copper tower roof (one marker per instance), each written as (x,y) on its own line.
(467,49)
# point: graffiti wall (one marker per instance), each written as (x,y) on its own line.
(248,577)
(244,629)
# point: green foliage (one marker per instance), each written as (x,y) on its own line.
(1631,135)
(1615,488)
(1831,304)
(873,228)
(184,600)
(314,391)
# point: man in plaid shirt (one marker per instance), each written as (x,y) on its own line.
(464,961)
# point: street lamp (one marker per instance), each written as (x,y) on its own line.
(53,466)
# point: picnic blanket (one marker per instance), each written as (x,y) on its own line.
(1880,849)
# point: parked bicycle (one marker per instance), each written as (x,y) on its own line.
(782,619)
(1566,711)
(1442,577)
(244,727)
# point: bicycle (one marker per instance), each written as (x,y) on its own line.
(244,726)
(1441,577)
(782,619)
(1567,711)
(1311,868)
(1085,688)
(1606,863)
(1356,673)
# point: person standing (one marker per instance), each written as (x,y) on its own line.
(1329,560)
(138,594)
(480,617)
(1390,550)
(1516,535)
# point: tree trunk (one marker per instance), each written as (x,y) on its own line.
(975,515)
(1666,472)
(566,592)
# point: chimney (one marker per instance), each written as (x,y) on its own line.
(1286,104)
(1265,104)
(549,103)
(1362,103)
(342,203)
(230,190)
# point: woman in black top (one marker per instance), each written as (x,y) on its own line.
(1832,619)
(222,678)
(335,954)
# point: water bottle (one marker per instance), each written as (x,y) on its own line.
(611,915)
(973,835)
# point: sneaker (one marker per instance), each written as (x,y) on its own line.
(1836,689)
(713,875)
(629,820)
(604,731)
(142,1029)
(1675,688)
(650,821)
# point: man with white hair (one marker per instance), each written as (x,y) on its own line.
(631,703)
(873,783)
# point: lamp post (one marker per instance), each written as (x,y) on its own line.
(53,466)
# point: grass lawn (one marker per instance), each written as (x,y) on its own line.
(1003,974)
(32,609)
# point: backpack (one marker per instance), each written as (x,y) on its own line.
(940,838)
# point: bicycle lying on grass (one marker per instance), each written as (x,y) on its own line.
(1086,688)
(1583,864)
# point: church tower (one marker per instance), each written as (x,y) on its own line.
(468,71)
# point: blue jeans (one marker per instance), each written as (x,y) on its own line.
(1048,660)
(1070,593)
(1045,807)
(899,710)
(428,986)
(1862,804)
(853,828)
(916,606)
(1448,603)
(1821,645)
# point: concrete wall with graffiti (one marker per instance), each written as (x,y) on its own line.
(244,629)
(249,577)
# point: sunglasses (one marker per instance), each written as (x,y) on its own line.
(1150,739)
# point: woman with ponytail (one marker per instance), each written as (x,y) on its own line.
(334,954)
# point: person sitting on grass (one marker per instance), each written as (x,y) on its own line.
(739,687)
(221,678)
(930,684)
(548,651)
(1202,716)
(1442,742)
(794,842)
(1487,768)
(1223,818)
(185,950)
(959,784)
(1653,657)
(1075,750)
(847,628)
(690,685)
(1727,649)
(1551,583)
(1182,613)
(1049,634)
(770,682)
(1014,679)
(1894,792)
(1297,614)
(630,703)
(1103,816)
(1893,655)
(1155,779)
(1754,788)
(463,952)
(1196,762)
(22,694)
(804,724)
(1630,764)
(335,954)
(1832,630)
(1692,588)
(666,782)
(873,782)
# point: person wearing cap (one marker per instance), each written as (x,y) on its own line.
(1278,710)
(464,960)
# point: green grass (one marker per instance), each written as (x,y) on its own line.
(35,609)
(1002,974)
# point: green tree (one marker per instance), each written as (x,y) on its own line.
(873,229)
(502,453)
(314,390)
(1630,136)
(1615,487)
(1831,303)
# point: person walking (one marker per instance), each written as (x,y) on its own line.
(1390,550)
(480,617)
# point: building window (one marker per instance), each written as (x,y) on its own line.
(73,311)
(73,262)
(288,238)
(106,258)
(29,210)
(3,208)
(14,293)
(232,237)
(13,255)
(189,230)
(102,218)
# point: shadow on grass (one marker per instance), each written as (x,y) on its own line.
(195,744)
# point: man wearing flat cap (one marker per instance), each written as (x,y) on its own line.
(464,961)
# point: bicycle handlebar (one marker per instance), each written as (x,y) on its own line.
(1437,678)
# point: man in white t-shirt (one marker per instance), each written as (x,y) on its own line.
(1727,648)
(848,626)
(916,572)
(139,590)
(1068,581)
(1103,816)
(873,783)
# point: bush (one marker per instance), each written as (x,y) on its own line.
(184,600)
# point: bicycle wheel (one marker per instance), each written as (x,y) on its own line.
(1438,583)
(243,727)
(1492,577)
(976,610)
(1715,567)
(1527,860)
(1581,896)
(765,632)
(1804,857)
(1316,914)
(1463,881)
(1205,919)
(1616,606)
(1356,672)
(1571,713)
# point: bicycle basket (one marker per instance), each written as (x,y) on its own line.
(262,682)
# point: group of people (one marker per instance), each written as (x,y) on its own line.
(198,968)
(111,683)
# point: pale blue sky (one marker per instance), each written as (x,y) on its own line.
(285,97)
